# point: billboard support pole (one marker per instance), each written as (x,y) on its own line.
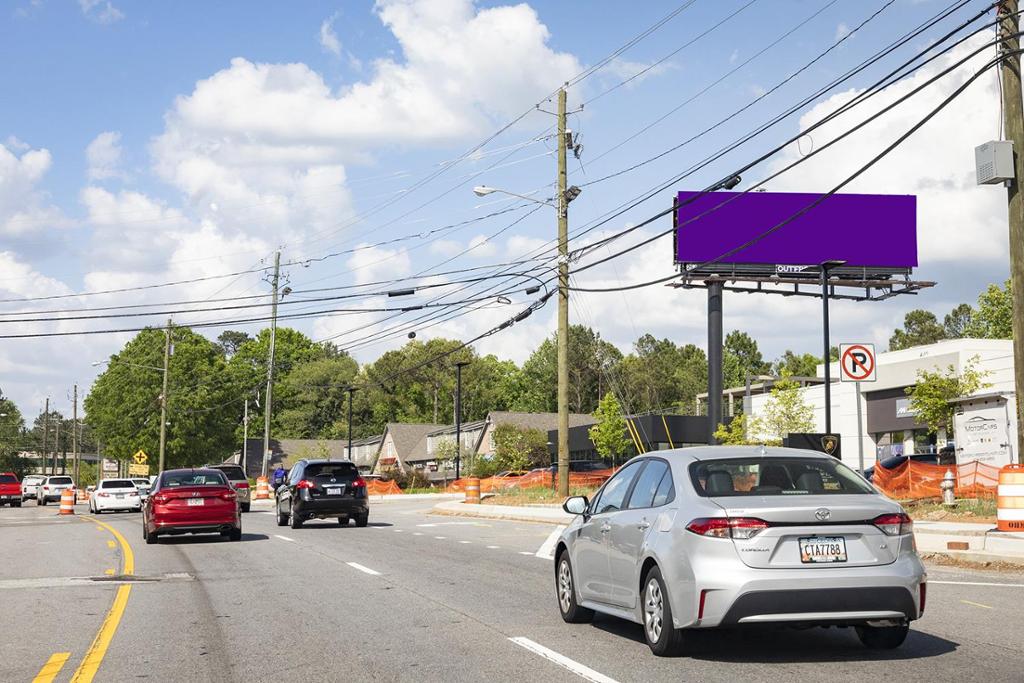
(714,358)
(827,360)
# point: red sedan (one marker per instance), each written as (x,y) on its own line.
(191,501)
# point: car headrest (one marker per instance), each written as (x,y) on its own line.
(810,481)
(719,483)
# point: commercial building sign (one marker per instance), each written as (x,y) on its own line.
(776,233)
(982,434)
(904,408)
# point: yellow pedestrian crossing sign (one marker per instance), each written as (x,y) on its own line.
(140,457)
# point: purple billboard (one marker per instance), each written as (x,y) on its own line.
(864,230)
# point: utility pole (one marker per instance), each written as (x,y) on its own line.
(350,391)
(46,434)
(458,414)
(563,305)
(270,365)
(163,395)
(74,433)
(1013,121)
(56,448)
(245,439)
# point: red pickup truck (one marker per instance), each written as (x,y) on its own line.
(10,490)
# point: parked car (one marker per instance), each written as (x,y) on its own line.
(322,489)
(10,490)
(111,495)
(236,475)
(725,536)
(50,488)
(29,484)
(143,484)
(191,501)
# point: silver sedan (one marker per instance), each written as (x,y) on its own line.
(727,536)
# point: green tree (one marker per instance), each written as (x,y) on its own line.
(930,397)
(797,365)
(518,448)
(609,433)
(592,362)
(232,340)
(919,327)
(12,438)
(741,357)
(314,399)
(785,412)
(735,434)
(123,405)
(958,321)
(994,317)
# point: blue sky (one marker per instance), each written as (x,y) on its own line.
(222,131)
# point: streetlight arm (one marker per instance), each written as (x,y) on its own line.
(484,190)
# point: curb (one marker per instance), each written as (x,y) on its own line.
(502,512)
(975,557)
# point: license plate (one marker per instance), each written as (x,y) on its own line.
(334,491)
(822,549)
(196,501)
(120,496)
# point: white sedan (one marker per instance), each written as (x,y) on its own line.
(115,494)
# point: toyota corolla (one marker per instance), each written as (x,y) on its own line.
(729,536)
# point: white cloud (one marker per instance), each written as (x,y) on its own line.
(101,11)
(622,69)
(328,38)
(24,207)
(842,30)
(104,156)
(957,220)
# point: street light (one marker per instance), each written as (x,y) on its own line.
(484,190)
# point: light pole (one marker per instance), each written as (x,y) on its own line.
(825,267)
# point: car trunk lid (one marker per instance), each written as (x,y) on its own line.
(812,531)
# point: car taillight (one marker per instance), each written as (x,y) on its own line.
(46,488)
(228,495)
(923,594)
(305,484)
(727,527)
(895,524)
(359,483)
(160,499)
(242,485)
(102,495)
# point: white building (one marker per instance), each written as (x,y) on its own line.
(985,424)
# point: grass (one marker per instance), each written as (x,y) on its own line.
(537,496)
(982,510)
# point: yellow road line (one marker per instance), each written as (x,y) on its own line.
(976,604)
(111,544)
(52,667)
(98,650)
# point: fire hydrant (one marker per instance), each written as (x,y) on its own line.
(947,485)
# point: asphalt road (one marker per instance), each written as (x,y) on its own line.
(413,597)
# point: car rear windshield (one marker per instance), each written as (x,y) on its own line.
(116,484)
(778,476)
(60,481)
(233,473)
(336,470)
(8,479)
(140,482)
(205,478)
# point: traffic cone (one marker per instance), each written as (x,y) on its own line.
(262,489)
(67,502)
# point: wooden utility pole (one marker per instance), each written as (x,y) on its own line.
(46,435)
(563,305)
(245,439)
(74,433)
(270,365)
(1013,120)
(56,448)
(163,396)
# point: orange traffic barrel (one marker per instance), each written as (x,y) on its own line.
(262,488)
(67,502)
(1010,501)
(473,490)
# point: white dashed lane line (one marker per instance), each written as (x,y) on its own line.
(580,670)
(284,538)
(547,549)
(365,570)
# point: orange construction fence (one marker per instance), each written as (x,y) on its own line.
(532,480)
(375,487)
(914,480)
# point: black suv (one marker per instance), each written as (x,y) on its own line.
(320,489)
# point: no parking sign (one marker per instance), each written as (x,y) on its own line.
(857,363)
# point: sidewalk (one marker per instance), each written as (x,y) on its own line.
(969,542)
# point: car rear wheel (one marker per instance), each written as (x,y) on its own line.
(15,503)
(245,507)
(572,613)
(363,520)
(150,538)
(342,521)
(882,637)
(235,534)
(296,523)
(282,519)
(662,637)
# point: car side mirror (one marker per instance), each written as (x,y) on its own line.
(576,505)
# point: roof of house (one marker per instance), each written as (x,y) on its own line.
(466,428)
(542,421)
(410,439)
(286,452)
